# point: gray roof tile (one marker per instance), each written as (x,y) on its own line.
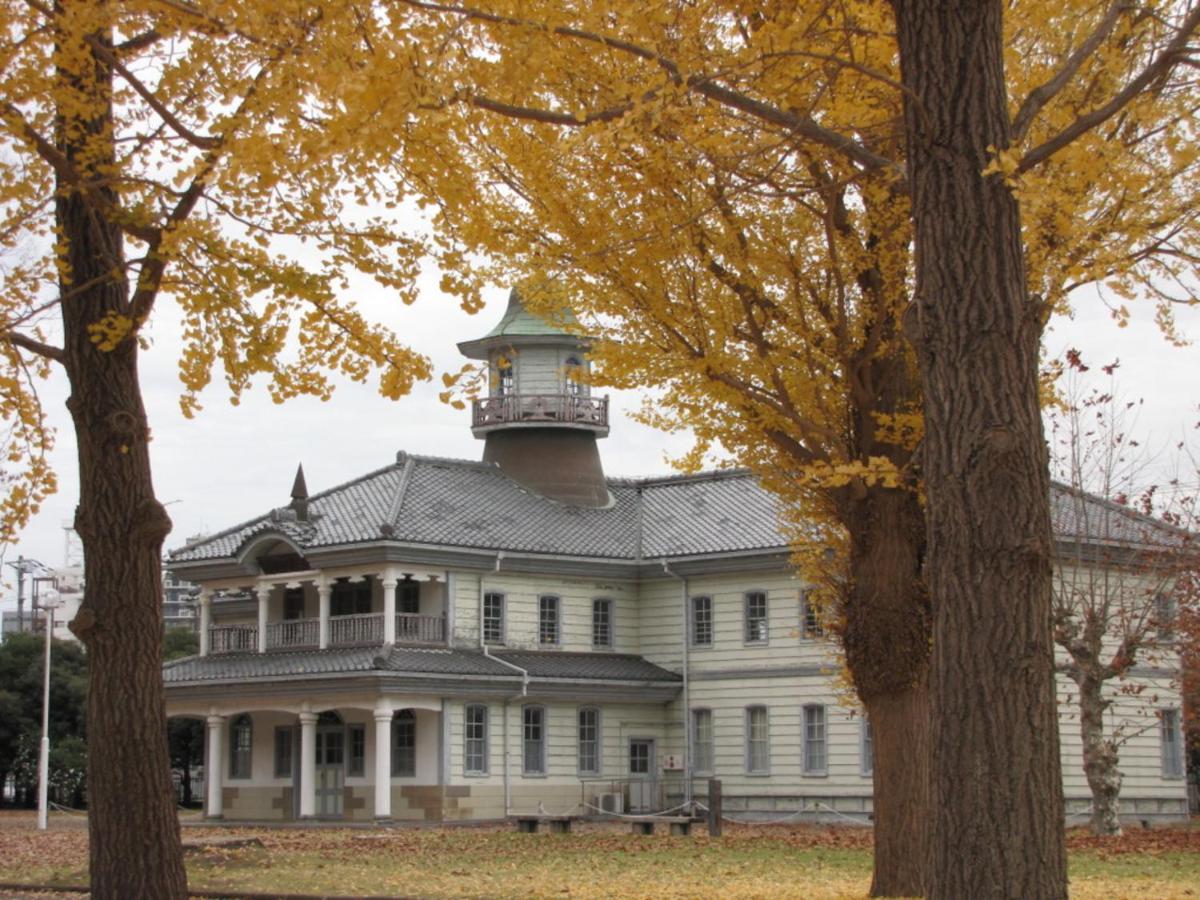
(595,666)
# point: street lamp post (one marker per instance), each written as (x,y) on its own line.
(44,752)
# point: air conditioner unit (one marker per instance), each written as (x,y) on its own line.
(672,762)
(612,803)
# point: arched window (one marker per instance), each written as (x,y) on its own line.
(574,372)
(241,742)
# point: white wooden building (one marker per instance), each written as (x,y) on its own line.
(446,639)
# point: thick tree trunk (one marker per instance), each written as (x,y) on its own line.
(1100,759)
(134,841)
(886,639)
(996,798)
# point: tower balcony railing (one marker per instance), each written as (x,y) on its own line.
(563,409)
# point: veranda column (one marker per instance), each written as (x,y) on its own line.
(308,764)
(205,601)
(383,763)
(389,582)
(212,766)
(324,589)
(264,595)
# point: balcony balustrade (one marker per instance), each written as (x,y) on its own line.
(563,409)
(344,631)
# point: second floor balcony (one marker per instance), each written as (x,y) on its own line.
(361,630)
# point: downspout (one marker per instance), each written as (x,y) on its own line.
(687,706)
(524,685)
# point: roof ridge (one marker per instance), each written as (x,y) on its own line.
(1125,511)
(688,477)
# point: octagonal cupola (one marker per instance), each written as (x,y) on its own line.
(539,419)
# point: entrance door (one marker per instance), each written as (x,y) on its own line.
(643,784)
(331,767)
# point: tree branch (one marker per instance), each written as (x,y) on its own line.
(1160,66)
(46,351)
(1044,93)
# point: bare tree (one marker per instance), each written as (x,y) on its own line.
(1124,550)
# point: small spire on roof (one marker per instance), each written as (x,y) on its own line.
(300,495)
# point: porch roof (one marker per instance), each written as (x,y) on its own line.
(315,664)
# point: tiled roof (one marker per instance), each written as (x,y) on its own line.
(1081,516)
(237,667)
(591,666)
(444,502)
(315,663)
(517,320)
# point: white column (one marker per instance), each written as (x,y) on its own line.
(324,589)
(383,763)
(205,601)
(308,764)
(213,766)
(389,582)
(264,595)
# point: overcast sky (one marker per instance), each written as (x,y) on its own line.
(233,463)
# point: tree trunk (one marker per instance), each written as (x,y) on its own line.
(886,640)
(996,798)
(134,841)
(1100,759)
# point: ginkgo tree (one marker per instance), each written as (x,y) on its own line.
(153,152)
(741,186)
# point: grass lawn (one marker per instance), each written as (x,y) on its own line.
(600,861)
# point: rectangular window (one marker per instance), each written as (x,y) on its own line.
(241,742)
(702,622)
(602,630)
(1172,743)
(641,754)
(533,756)
(758,745)
(702,741)
(293,604)
(589,741)
(356,765)
(1164,615)
(493,618)
(408,597)
(867,747)
(547,620)
(810,621)
(350,598)
(475,739)
(815,741)
(404,744)
(756,617)
(283,752)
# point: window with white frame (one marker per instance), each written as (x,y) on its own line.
(702,621)
(573,369)
(548,620)
(1172,743)
(493,618)
(533,737)
(702,741)
(602,624)
(816,741)
(241,743)
(1164,615)
(810,620)
(505,384)
(866,747)
(356,762)
(404,743)
(475,739)
(756,617)
(283,752)
(589,741)
(758,742)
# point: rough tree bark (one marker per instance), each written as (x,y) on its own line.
(996,787)
(886,641)
(134,842)
(1100,758)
